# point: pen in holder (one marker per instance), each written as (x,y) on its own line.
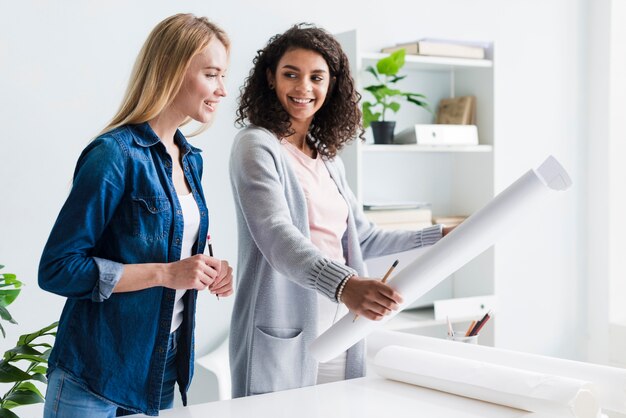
(460,337)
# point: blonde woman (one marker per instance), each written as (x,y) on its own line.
(127,247)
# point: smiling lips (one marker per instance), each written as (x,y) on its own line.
(300,101)
(211,105)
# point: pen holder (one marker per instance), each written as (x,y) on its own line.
(460,337)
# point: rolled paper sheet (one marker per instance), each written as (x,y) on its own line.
(476,234)
(509,386)
(610,382)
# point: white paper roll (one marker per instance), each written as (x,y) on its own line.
(610,382)
(530,391)
(476,234)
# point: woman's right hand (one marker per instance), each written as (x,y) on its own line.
(196,272)
(370,298)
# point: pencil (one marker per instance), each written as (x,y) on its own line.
(471,327)
(481,324)
(208,238)
(383,280)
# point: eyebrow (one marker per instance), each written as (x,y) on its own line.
(210,67)
(293,67)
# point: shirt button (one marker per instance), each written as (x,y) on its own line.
(177,240)
(179,211)
(186,168)
(161,350)
(202,214)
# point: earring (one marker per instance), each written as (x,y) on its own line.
(271,86)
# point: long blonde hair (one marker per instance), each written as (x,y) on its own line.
(161,65)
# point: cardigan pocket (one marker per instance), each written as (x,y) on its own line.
(276,360)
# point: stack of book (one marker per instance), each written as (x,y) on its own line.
(449,220)
(441,48)
(408,216)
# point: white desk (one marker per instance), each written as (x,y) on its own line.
(367,397)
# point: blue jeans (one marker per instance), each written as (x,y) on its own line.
(66,398)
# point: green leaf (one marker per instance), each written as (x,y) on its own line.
(28,386)
(29,357)
(4,314)
(395,106)
(397,78)
(40,377)
(41,345)
(27,338)
(39,369)
(391,65)
(1,266)
(23,352)
(372,71)
(7,296)
(368,115)
(419,103)
(414,95)
(10,373)
(4,335)
(25,397)
(5,413)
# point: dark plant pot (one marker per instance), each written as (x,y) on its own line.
(383,132)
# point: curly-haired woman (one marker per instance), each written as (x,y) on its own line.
(302,234)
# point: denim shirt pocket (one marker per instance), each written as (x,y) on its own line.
(151,217)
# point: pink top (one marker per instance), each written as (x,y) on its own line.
(327,209)
(328,221)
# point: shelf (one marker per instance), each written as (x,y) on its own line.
(426,148)
(419,318)
(421,62)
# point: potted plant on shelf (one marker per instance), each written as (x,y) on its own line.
(386,97)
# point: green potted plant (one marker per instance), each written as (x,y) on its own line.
(25,363)
(387,96)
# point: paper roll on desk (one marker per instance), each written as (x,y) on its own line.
(464,243)
(502,385)
(610,382)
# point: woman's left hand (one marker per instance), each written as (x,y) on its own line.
(223,284)
(447,229)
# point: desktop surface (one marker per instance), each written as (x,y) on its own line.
(367,397)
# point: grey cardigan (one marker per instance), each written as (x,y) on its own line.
(279,270)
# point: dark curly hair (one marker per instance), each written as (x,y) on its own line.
(336,123)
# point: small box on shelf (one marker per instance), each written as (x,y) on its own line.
(422,134)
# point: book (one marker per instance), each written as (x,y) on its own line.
(457,111)
(449,220)
(436,135)
(404,226)
(399,216)
(388,205)
(441,48)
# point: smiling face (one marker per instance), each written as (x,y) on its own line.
(301,82)
(203,85)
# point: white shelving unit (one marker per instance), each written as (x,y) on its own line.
(455,180)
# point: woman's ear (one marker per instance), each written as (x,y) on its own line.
(271,80)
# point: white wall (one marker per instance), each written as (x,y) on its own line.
(63,69)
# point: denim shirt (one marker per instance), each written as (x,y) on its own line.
(122,209)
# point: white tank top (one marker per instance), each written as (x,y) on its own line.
(191,218)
